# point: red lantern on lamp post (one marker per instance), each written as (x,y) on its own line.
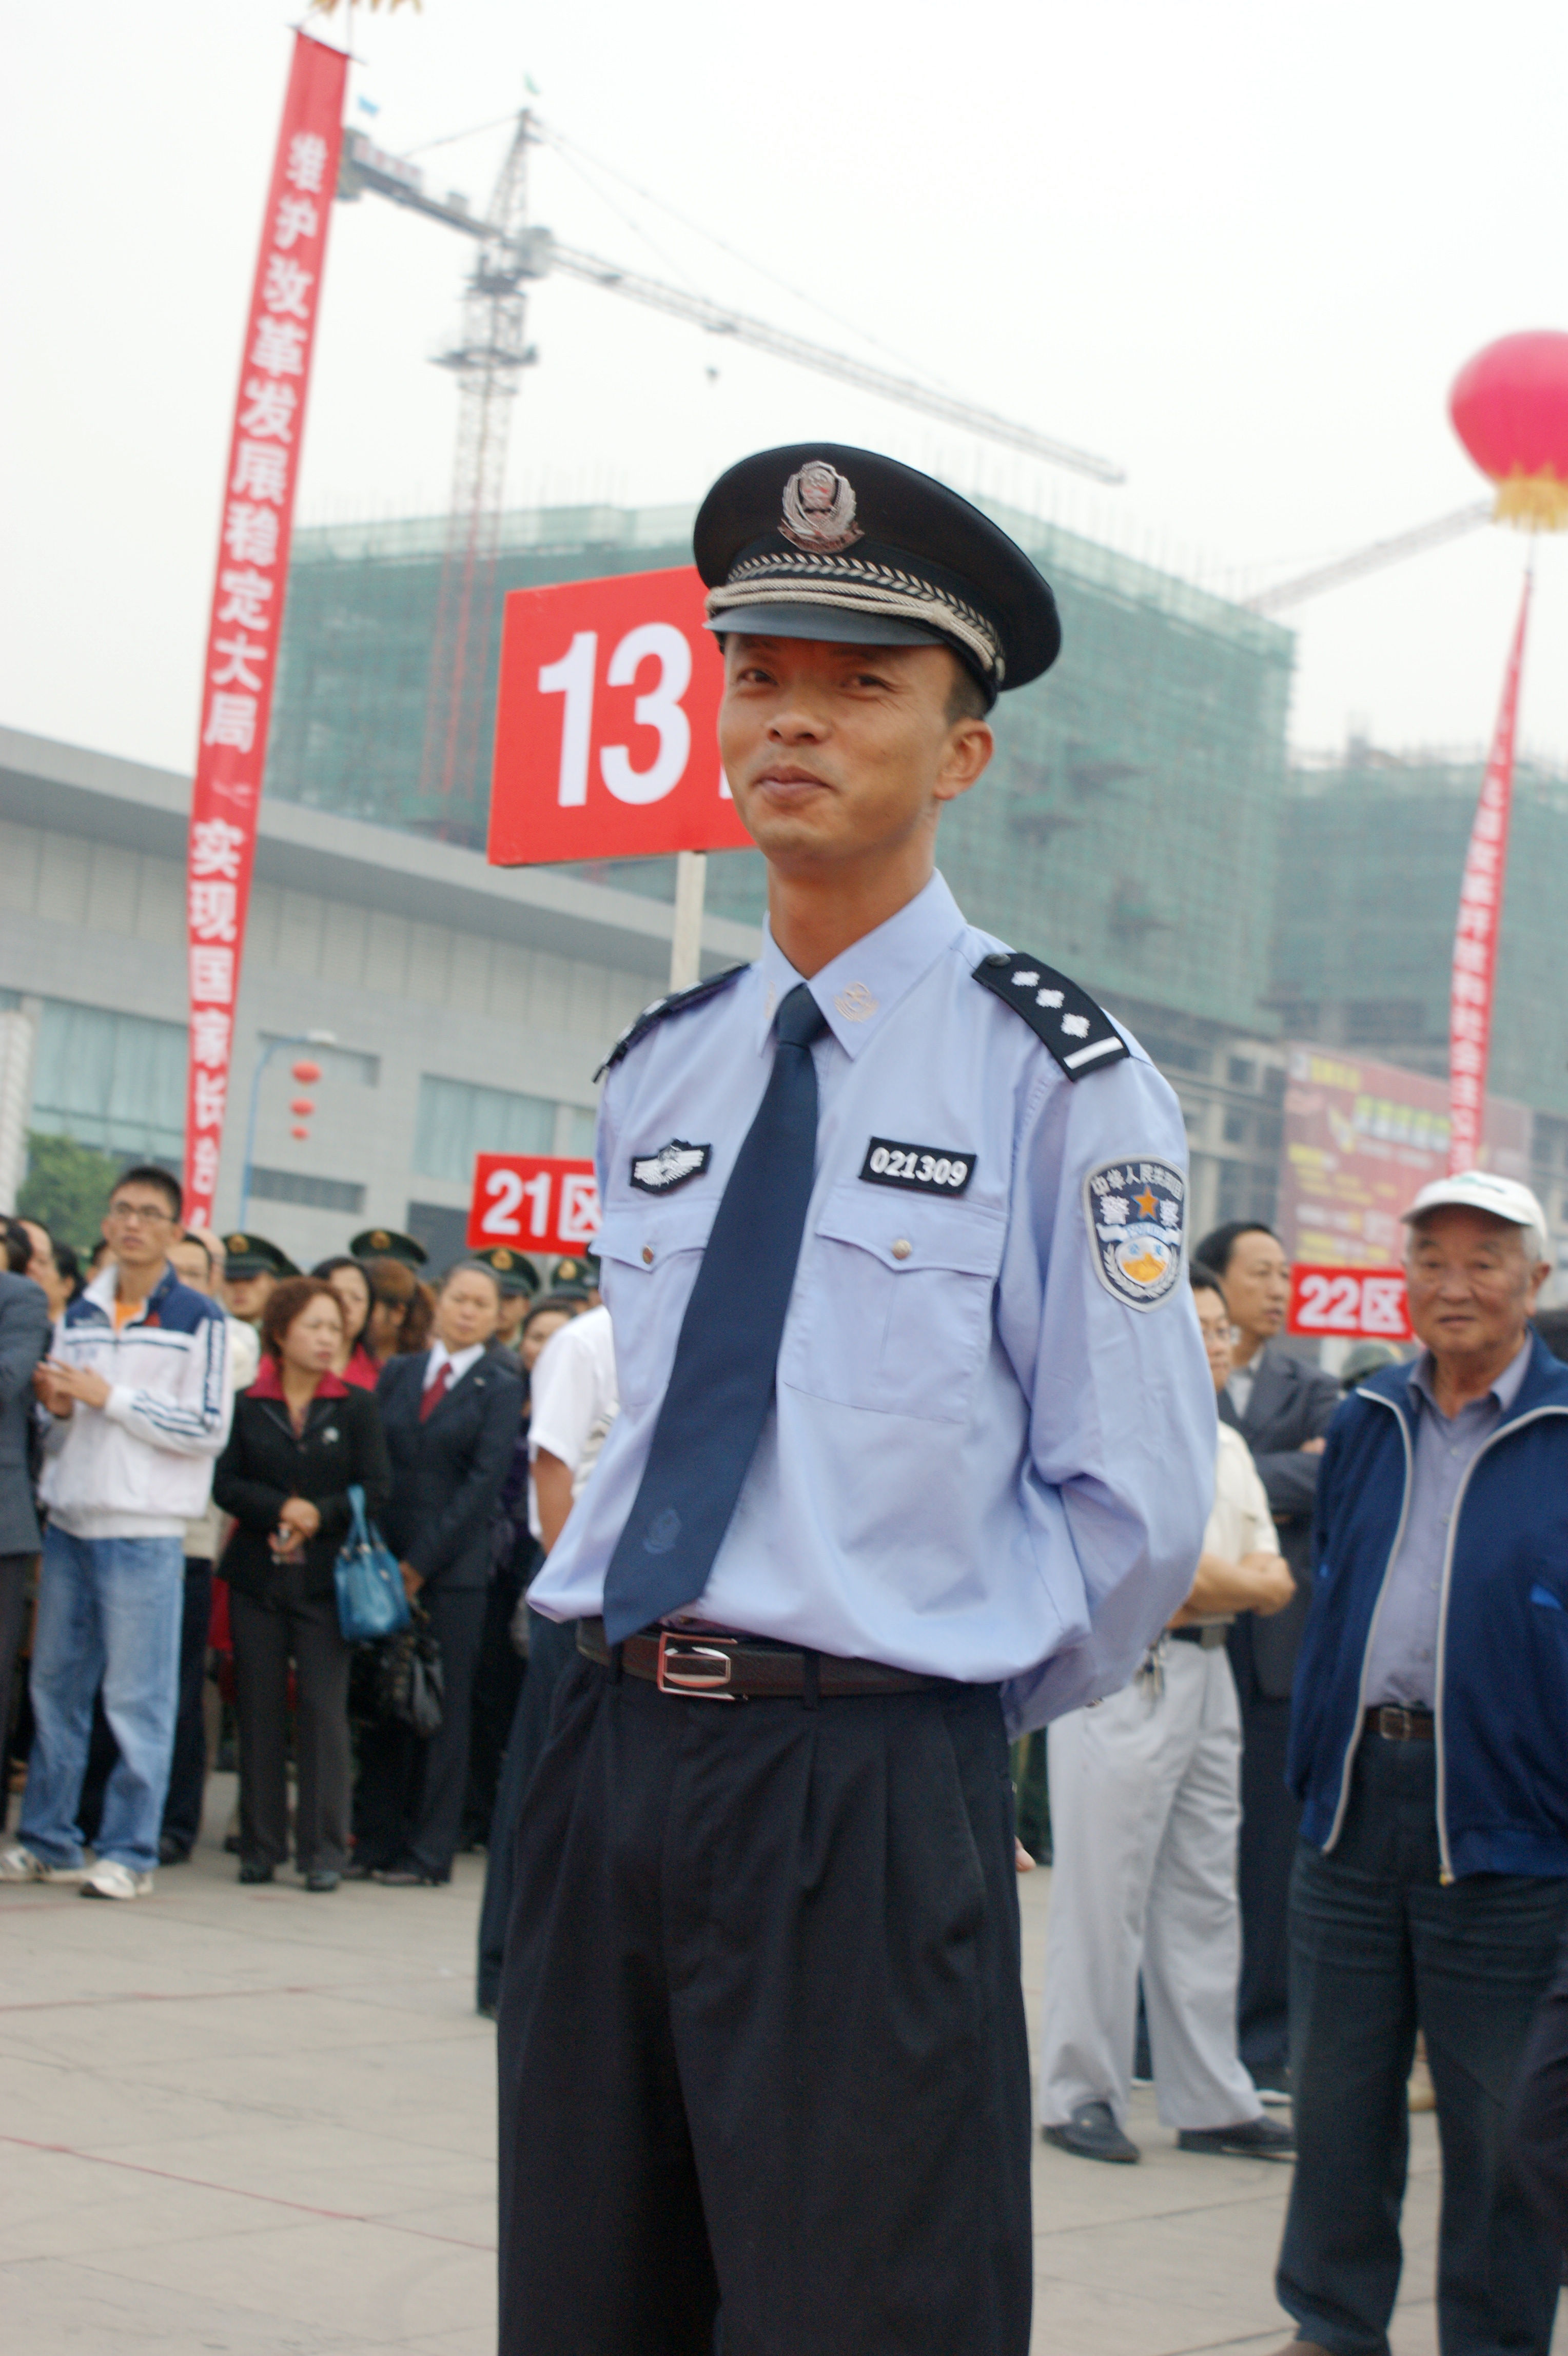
(1509,408)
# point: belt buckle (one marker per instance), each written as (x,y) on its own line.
(699,1670)
(1395,1722)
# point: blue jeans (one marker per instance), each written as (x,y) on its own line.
(109,1610)
(1379,1948)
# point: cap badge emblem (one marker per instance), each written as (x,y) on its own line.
(819,509)
(855,1003)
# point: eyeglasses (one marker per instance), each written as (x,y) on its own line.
(1220,1337)
(142,1214)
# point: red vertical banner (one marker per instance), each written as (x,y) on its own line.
(1476,935)
(248,595)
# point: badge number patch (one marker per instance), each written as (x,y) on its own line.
(1137,1211)
(672,1166)
(925,1169)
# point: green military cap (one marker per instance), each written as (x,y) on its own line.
(245,1255)
(385,1243)
(575,1279)
(514,1271)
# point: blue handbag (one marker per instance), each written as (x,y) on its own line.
(372,1602)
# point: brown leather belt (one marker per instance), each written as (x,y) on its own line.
(738,1669)
(1396,1724)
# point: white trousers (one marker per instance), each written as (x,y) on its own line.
(1145,1811)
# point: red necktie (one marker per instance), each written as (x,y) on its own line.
(436,1390)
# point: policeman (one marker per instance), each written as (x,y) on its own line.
(253,1267)
(576,1280)
(386,1243)
(915,1448)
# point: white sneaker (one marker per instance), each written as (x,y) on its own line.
(109,1879)
(20,1864)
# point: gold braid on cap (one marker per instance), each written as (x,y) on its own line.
(859,584)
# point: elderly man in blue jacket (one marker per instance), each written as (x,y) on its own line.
(1429,1746)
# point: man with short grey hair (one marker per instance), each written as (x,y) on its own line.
(1431,1886)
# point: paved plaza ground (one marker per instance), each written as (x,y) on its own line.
(255,2122)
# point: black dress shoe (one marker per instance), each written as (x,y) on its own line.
(404,1876)
(1092,2133)
(170,1851)
(322,1878)
(256,1873)
(1249,2140)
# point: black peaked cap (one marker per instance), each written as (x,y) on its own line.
(884,539)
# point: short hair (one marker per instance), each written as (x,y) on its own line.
(554,1304)
(69,1267)
(472,1268)
(203,1245)
(1203,1278)
(152,1174)
(286,1302)
(18,1248)
(1218,1244)
(967,699)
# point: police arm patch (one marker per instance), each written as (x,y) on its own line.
(1136,1212)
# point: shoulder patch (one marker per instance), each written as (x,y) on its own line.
(1080,1035)
(635,1033)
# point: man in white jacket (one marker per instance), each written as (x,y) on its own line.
(138,1405)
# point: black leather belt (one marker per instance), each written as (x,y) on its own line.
(1210,1638)
(741,1668)
(1396,1724)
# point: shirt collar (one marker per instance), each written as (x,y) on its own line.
(858,989)
(440,1355)
(1504,1390)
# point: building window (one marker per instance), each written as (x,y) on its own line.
(293,1186)
(1238,1128)
(581,1125)
(458,1120)
(112,1080)
(443,1231)
(1241,1073)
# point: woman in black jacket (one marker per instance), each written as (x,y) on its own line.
(301,1438)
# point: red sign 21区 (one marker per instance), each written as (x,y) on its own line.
(534,1201)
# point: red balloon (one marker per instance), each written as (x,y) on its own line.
(306,1072)
(304,1106)
(299,1132)
(1509,407)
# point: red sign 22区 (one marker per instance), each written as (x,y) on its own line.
(607,724)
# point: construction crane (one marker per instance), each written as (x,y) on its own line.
(488,361)
(1371,559)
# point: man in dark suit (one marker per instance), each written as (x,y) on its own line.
(1283,1407)
(24,1338)
(451,1415)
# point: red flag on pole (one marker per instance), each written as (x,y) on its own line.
(248,595)
(1476,935)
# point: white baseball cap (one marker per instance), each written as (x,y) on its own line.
(1482,1190)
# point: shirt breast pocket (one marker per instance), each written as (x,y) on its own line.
(650,1260)
(893,1308)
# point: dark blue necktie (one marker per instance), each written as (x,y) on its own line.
(721,1384)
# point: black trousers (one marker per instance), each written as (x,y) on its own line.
(1380,1947)
(1538,2131)
(13,1572)
(267,1637)
(762,2045)
(552,1649)
(187,1768)
(408,1809)
(1271,1823)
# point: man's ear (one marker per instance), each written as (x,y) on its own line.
(970,746)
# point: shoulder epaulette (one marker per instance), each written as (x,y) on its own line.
(677,1003)
(1080,1035)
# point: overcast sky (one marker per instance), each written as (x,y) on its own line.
(1240,248)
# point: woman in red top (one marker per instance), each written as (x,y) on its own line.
(301,1438)
(354,1362)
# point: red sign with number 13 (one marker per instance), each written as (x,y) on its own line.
(535,1202)
(607,724)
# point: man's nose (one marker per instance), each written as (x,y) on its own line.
(796,725)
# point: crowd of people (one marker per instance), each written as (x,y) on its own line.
(186,1428)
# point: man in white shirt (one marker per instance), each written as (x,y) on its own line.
(575,1399)
(1145,1808)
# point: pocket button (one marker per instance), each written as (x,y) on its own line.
(648,1254)
(902,1248)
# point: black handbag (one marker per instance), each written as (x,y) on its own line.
(399,1677)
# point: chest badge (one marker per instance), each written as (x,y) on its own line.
(924,1169)
(672,1166)
(1135,1212)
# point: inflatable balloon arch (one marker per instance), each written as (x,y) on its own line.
(1509,408)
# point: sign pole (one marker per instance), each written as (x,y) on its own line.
(686,940)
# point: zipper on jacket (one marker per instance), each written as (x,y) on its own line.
(1534,1416)
(1359,1726)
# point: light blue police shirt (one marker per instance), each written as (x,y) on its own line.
(988,1457)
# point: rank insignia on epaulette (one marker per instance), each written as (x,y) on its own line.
(678,1002)
(1080,1034)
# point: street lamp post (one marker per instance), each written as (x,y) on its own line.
(295,1039)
